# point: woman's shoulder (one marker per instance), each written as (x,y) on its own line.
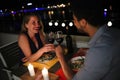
(22,35)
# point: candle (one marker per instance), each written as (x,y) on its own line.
(45,74)
(31,70)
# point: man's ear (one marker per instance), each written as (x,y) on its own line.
(83,22)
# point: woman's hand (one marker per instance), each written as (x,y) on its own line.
(25,59)
(47,48)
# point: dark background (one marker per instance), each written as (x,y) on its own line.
(11,23)
(16,4)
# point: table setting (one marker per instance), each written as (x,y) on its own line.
(49,62)
(36,74)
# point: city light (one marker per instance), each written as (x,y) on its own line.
(63,24)
(56,23)
(50,23)
(109,23)
(70,23)
(29,4)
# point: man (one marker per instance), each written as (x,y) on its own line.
(102,61)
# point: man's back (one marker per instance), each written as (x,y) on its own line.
(114,72)
(103,58)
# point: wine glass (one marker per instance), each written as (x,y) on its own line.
(51,37)
(59,37)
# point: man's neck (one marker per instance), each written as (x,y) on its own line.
(92,30)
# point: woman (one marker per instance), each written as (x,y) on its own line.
(32,38)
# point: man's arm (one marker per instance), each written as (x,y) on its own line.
(66,69)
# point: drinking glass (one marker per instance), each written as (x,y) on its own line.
(51,37)
(59,37)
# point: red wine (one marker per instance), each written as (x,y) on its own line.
(59,40)
(51,40)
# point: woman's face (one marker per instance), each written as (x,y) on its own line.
(33,25)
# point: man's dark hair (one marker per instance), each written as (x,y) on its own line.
(91,10)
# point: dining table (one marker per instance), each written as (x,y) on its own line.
(54,68)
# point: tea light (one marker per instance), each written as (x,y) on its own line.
(31,70)
(45,74)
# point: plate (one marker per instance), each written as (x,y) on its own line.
(47,56)
(77,62)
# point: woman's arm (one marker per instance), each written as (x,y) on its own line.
(25,47)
